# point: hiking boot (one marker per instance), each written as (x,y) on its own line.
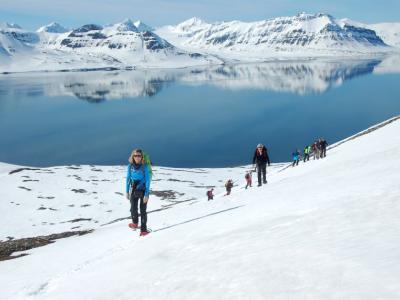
(144,233)
(133,225)
(259,184)
(265,182)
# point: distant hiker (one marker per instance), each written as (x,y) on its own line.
(138,188)
(260,159)
(228,186)
(307,151)
(210,195)
(316,149)
(248,179)
(296,157)
(323,144)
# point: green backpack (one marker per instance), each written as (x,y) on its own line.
(147,161)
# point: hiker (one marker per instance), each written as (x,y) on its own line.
(248,179)
(228,186)
(316,149)
(296,157)
(210,195)
(260,159)
(307,150)
(138,188)
(323,144)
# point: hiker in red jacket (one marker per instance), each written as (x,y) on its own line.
(248,179)
(210,195)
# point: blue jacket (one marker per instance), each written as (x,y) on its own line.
(140,174)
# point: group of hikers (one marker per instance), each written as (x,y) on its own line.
(260,161)
(318,148)
(139,175)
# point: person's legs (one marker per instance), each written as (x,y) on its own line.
(264,173)
(259,174)
(134,208)
(143,215)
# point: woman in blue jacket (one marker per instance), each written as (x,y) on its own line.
(138,189)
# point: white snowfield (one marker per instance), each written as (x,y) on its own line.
(326,229)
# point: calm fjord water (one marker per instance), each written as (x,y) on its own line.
(196,117)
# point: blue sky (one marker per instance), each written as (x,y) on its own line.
(32,14)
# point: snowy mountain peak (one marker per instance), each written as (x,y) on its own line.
(53,27)
(126,25)
(87,28)
(142,26)
(9,25)
(318,32)
(190,25)
(194,21)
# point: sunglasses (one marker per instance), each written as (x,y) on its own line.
(137,155)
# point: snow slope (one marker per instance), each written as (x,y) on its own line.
(327,229)
(389,32)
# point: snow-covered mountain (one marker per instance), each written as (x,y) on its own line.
(194,42)
(125,36)
(119,45)
(142,26)
(326,229)
(11,44)
(16,32)
(303,34)
(388,32)
(53,28)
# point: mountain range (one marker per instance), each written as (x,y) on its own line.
(194,42)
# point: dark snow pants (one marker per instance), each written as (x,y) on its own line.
(135,197)
(323,152)
(262,168)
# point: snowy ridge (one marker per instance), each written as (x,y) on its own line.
(333,237)
(389,32)
(121,45)
(53,28)
(302,35)
(194,42)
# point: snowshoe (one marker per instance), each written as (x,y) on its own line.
(133,225)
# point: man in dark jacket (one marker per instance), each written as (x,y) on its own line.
(323,144)
(261,159)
